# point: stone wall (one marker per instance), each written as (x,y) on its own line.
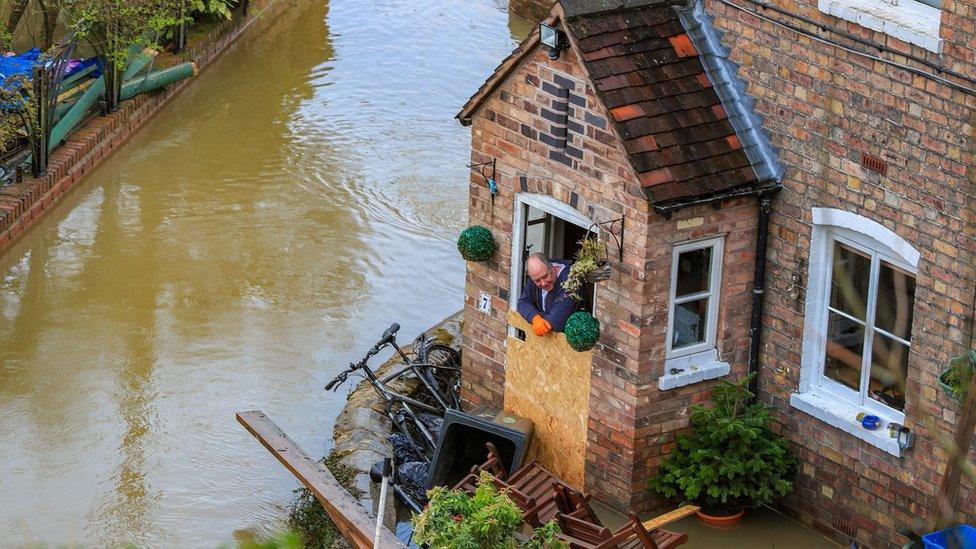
(825,107)
(21,204)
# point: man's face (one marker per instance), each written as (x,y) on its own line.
(544,277)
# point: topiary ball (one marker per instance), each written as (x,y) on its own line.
(582,331)
(476,243)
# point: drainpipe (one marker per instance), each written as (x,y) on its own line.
(758,289)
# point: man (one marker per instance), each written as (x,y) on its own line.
(543,301)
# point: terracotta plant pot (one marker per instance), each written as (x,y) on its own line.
(721,522)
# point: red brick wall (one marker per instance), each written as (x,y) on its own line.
(631,421)
(824,107)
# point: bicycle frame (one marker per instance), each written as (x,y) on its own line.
(413,366)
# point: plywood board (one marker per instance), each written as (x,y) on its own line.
(548,382)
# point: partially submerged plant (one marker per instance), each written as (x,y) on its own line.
(733,460)
(589,266)
(956,378)
(486,520)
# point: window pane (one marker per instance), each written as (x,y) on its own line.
(693,271)
(689,323)
(850,280)
(845,347)
(889,370)
(896,296)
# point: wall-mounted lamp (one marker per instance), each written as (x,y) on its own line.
(905,436)
(552,38)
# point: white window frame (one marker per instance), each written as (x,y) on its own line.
(907,20)
(713,295)
(698,362)
(551,206)
(819,395)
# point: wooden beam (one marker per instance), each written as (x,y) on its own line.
(352,520)
(945,499)
(667,518)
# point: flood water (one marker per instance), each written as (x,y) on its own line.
(254,238)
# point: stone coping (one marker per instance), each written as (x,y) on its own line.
(361,429)
(22,204)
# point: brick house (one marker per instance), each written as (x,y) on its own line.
(782,188)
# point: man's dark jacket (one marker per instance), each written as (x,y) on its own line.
(559,305)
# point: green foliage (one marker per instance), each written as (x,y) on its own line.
(733,460)
(590,257)
(582,331)
(486,520)
(308,518)
(956,379)
(219,8)
(18,111)
(112,26)
(281,540)
(476,243)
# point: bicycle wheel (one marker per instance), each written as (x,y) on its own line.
(447,371)
(408,425)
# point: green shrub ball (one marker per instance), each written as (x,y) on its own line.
(476,243)
(582,331)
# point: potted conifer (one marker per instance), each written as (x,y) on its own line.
(732,461)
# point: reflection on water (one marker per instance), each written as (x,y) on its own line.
(299,197)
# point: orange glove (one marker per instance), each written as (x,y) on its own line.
(540,325)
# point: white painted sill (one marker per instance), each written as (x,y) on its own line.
(906,20)
(843,415)
(694,368)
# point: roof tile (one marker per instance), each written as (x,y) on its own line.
(648,72)
(626,112)
(682,44)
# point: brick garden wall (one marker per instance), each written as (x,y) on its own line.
(824,107)
(22,204)
(631,421)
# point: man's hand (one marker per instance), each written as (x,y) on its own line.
(540,325)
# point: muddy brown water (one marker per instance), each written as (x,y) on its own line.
(257,236)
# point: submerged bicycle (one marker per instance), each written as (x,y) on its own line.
(437,368)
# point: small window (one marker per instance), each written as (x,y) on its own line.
(695,281)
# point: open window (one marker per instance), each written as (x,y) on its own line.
(544,224)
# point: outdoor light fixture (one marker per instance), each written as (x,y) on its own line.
(905,436)
(552,38)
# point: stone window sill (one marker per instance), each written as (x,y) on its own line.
(692,369)
(843,415)
(906,20)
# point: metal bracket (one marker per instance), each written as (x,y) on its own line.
(617,236)
(489,179)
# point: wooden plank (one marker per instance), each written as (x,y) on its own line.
(559,407)
(667,518)
(945,499)
(352,520)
